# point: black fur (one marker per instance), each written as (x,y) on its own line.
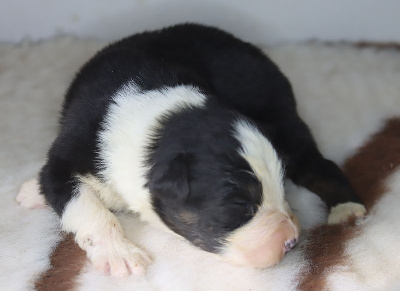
(201,175)
(193,147)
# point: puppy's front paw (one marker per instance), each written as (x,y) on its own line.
(117,256)
(342,212)
(29,195)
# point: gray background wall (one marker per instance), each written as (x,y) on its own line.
(258,21)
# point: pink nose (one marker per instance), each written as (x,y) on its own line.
(290,244)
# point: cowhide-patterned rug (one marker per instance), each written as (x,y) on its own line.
(348,94)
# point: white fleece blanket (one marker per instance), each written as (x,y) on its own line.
(344,93)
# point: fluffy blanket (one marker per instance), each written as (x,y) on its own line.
(346,94)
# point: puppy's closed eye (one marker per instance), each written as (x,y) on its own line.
(237,213)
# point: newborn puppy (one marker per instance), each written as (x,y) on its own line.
(192,129)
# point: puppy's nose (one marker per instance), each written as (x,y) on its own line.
(290,244)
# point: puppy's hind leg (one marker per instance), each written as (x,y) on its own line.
(29,195)
(306,166)
(324,178)
(99,232)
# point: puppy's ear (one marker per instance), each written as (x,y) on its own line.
(171,180)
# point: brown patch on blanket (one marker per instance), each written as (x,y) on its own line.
(324,249)
(367,170)
(67,261)
(374,162)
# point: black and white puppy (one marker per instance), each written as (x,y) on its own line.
(191,128)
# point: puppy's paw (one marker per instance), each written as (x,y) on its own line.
(29,195)
(117,256)
(342,212)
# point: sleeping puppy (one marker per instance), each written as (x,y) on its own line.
(195,130)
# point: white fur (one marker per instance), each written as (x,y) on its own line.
(99,233)
(342,212)
(262,157)
(111,199)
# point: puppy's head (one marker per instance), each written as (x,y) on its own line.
(224,193)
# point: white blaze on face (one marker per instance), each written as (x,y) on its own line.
(263,241)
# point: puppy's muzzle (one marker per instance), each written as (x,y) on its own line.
(264,241)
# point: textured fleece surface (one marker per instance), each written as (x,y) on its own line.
(344,93)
